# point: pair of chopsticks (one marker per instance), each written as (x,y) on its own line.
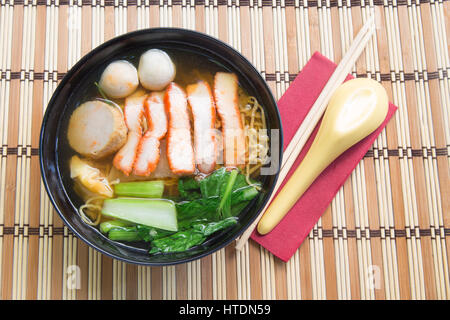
(315,114)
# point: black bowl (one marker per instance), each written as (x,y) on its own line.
(54,152)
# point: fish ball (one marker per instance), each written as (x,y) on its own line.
(156,70)
(119,79)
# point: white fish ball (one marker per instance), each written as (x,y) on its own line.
(119,79)
(156,69)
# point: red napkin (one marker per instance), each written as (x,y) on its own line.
(294,105)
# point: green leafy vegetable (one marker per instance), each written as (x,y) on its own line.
(199,208)
(225,201)
(243,194)
(148,233)
(214,184)
(215,196)
(188,189)
(190,183)
(207,208)
(180,241)
(125,232)
(212,227)
(183,240)
(204,207)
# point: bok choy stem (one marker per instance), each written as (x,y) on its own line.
(106,226)
(225,202)
(124,234)
(140,189)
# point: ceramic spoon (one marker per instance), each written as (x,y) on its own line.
(355,110)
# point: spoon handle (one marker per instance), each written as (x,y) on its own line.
(309,169)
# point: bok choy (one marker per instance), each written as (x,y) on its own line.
(202,208)
(149,212)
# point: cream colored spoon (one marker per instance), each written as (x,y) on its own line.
(355,110)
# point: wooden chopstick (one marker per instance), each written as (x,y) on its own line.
(309,123)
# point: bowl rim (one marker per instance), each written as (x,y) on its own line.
(77,66)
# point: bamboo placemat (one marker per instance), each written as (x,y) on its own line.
(386,235)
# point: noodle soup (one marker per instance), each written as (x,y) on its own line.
(166,149)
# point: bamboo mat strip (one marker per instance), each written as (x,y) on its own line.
(384,236)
